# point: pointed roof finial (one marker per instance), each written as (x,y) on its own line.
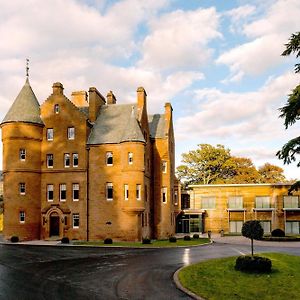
(27,68)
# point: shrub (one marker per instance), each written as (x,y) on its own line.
(186,238)
(146,241)
(255,264)
(65,240)
(195,236)
(278,233)
(108,241)
(14,239)
(172,239)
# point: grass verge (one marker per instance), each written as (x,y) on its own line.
(217,279)
(154,243)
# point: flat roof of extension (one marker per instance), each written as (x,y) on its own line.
(240,184)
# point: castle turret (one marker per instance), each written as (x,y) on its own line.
(22,130)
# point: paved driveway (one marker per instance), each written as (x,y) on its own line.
(39,272)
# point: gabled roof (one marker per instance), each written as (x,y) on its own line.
(157,125)
(113,125)
(25,108)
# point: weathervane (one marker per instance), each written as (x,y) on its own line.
(27,67)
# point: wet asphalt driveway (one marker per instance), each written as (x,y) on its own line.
(41,272)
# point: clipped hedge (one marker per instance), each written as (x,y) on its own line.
(65,240)
(278,233)
(146,241)
(14,239)
(108,241)
(253,264)
(172,239)
(186,238)
(196,236)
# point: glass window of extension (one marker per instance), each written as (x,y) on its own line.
(164,194)
(109,191)
(71,133)
(50,194)
(292,227)
(290,201)
(235,226)
(22,188)
(75,220)
(138,192)
(235,202)
(208,202)
(62,192)
(67,160)
(50,134)
(164,166)
(56,109)
(75,191)
(262,202)
(22,154)
(266,225)
(109,159)
(49,160)
(126,191)
(130,158)
(75,160)
(22,216)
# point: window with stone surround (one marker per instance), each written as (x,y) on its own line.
(22,216)
(71,133)
(109,191)
(50,134)
(75,191)
(67,160)
(164,166)
(49,160)
(109,158)
(75,160)
(62,192)
(50,194)
(22,188)
(130,158)
(56,109)
(126,191)
(76,220)
(164,194)
(138,192)
(22,154)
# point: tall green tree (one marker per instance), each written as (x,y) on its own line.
(205,165)
(290,112)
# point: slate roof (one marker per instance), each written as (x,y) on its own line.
(25,108)
(115,124)
(157,125)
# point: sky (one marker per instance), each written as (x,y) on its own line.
(218,62)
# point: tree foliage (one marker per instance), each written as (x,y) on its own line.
(290,112)
(215,165)
(253,231)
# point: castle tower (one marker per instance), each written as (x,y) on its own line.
(22,130)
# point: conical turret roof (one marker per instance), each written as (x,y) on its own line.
(25,108)
(132,132)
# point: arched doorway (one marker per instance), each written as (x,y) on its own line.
(54,224)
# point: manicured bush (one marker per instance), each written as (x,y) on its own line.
(255,264)
(108,241)
(186,238)
(65,240)
(172,239)
(146,241)
(14,239)
(195,236)
(278,233)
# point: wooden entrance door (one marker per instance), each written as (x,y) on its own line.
(54,225)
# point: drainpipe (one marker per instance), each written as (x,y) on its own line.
(87,192)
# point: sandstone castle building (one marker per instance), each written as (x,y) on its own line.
(88,168)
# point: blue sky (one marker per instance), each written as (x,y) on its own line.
(217,62)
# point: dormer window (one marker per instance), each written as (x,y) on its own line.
(71,133)
(56,109)
(109,158)
(50,134)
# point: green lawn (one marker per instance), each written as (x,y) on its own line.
(154,243)
(217,279)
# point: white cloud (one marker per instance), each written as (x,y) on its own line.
(179,39)
(267,36)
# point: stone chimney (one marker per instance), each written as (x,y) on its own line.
(80,98)
(95,102)
(168,116)
(141,101)
(58,88)
(110,98)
